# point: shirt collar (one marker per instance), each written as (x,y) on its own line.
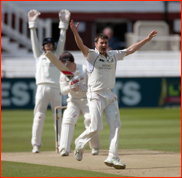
(101,54)
(97,50)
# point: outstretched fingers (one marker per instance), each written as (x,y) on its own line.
(72,23)
(152,34)
(73,27)
(77,24)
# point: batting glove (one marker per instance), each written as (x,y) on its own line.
(32,18)
(82,87)
(64,16)
(74,84)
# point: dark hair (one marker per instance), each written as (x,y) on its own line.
(101,36)
(66,56)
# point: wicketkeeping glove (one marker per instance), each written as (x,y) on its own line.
(32,18)
(64,16)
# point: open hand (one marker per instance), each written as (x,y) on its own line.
(73,27)
(152,34)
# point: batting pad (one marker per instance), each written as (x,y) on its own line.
(66,137)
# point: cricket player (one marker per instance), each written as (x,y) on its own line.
(47,75)
(101,68)
(76,104)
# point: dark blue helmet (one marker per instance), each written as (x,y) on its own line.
(48,40)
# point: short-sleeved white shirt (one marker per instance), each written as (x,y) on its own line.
(101,70)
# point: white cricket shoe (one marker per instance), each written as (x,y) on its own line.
(35,149)
(95,151)
(64,153)
(78,155)
(114,162)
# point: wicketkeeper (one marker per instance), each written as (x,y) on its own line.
(47,75)
(76,104)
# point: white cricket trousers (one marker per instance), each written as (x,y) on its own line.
(98,104)
(44,95)
(70,117)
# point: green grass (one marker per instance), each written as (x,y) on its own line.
(142,128)
(30,170)
(156,129)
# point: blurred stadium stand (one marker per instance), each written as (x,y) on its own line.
(163,42)
(15,38)
(161,57)
(139,64)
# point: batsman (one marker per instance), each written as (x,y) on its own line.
(101,68)
(77,104)
(47,75)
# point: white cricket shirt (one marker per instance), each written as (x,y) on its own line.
(101,70)
(46,72)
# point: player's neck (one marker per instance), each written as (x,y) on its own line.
(104,54)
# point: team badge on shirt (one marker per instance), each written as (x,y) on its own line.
(110,60)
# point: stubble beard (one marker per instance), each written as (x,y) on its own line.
(103,53)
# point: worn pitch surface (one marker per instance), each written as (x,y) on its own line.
(139,163)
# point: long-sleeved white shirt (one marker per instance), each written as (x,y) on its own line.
(46,72)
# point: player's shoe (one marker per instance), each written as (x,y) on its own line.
(78,155)
(114,162)
(35,149)
(64,153)
(95,151)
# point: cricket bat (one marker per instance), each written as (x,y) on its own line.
(59,64)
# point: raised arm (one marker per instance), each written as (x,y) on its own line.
(78,39)
(32,18)
(138,45)
(64,16)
